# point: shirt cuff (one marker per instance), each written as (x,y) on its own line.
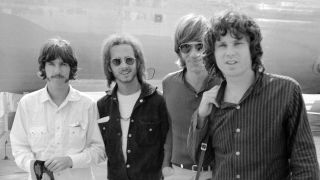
(27,165)
(77,160)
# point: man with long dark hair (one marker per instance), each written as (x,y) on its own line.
(259,128)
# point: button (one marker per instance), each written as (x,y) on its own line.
(104,128)
(129,151)
(141,100)
(150,129)
(238,176)
(119,134)
(238,130)
(129,135)
(196,95)
(238,107)
(118,119)
(58,127)
(72,132)
(237,153)
(128,165)
(132,120)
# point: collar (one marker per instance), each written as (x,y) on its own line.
(252,90)
(146,90)
(73,94)
(207,84)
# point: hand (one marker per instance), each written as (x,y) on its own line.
(57,164)
(45,176)
(207,101)
(167,171)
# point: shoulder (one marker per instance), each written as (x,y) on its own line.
(173,77)
(151,92)
(281,80)
(104,100)
(281,84)
(32,97)
(84,97)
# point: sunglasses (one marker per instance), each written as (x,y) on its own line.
(186,47)
(128,60)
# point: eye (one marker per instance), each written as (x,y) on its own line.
(185,48)
(64,64)
(130,60)
(116,61)
(237,43)
(199,46)
(50,63)
(221,45)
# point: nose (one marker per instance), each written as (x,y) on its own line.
(195,53)
(230,51)
(123,64)
(57,69)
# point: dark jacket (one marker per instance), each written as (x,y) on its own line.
(146,136)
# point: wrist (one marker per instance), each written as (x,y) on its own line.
(200,121)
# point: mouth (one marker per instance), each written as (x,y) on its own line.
(231,62)
(125,72)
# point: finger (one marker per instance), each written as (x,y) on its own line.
(57,166)
(48,162)
(52,165)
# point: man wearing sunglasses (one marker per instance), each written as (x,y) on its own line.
(134,120)
(182,92)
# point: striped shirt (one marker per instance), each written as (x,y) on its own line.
(265,136)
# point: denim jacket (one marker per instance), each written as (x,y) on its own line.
(146,137)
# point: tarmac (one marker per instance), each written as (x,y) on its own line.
(9,170)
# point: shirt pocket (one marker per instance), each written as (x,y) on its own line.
(77,134)
(39,136)
(148,133)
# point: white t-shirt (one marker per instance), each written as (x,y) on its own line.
(126,104)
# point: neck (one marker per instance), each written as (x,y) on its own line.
(237,86)
(241,81)
(195,79)
(129,88)
(58,93)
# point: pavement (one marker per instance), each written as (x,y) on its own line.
(9,170)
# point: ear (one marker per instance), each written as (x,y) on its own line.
(109,69)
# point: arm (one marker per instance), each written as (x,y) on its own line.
(196,135)
(21,149)
(164,134)
(95,149)
(303,158)
(168,146)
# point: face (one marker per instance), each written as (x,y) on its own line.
(57,72)
(123,64)
(191,53)
(233,56)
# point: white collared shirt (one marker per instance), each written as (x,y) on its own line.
(42,130)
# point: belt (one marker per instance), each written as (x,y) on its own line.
(192,167)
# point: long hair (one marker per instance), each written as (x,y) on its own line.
(238,25)
(57,48)
(118,39)
(190,27)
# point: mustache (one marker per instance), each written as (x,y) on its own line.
(58,76)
